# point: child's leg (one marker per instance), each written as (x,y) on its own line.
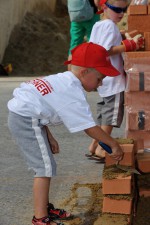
(109,113)
(41,196)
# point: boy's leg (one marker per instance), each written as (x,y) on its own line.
(109,114)
(41,196)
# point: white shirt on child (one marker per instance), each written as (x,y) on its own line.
(54,99)
(107,34)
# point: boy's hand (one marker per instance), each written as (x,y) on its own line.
(132,44)
(54,146)
(52,141)
(117,153)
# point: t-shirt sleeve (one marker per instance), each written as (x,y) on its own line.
(103,34)
(77,116)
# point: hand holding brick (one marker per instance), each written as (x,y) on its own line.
(133,44)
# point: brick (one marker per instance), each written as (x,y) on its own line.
(120,206)
(131,33)
(128,158)
(147,41)
(119,185)
(135,135)
(137,100)
(134,33)
(139,22)
(143,192)
(137,10)
(138,81)
(139,61)
(148,9)
(143,162)
(137,120)
(139,146)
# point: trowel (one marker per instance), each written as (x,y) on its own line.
(121,167)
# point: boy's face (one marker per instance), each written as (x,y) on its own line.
(111,14)
(90,79)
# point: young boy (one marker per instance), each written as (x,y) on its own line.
(53,100)
(106,33)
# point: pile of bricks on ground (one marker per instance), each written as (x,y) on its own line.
(123,190)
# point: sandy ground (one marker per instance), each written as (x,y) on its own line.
(39,45)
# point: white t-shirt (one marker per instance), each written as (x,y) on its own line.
(54,99)
(107,34)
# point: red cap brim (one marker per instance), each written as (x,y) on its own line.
(67,62)
(109,71)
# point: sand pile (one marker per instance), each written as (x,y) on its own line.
(39,45)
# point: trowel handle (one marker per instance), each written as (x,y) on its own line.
(105,147)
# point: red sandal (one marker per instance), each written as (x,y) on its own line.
(58,214)
(44,221)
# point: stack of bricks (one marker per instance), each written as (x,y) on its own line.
(137,95)
(118,186)
(120,189)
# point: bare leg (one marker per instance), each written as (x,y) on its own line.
(95,148)
(41,196)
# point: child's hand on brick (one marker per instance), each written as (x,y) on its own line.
(133,44)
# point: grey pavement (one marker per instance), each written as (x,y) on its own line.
(73,169)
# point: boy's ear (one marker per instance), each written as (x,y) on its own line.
(83,71)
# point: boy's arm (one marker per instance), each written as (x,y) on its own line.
(98,134)
(127,45)
(52,141)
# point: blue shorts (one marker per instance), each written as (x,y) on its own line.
(31,137)
(79,30)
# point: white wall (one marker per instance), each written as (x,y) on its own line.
(12,13)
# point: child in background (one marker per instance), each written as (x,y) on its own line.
(106,33)
(57,99)
(82,29)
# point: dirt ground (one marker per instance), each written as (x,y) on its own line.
(39,45)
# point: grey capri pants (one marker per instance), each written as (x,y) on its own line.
(32,139)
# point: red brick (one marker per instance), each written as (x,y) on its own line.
(120,206)
(139,22)
(138,61)
(137,9)
(138,81)
(137,100)
(147,41)
(139,146)
(128,159)
(144,192)
(119,185)
(140,134)
(137,120)
(143,161)
(148,9)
